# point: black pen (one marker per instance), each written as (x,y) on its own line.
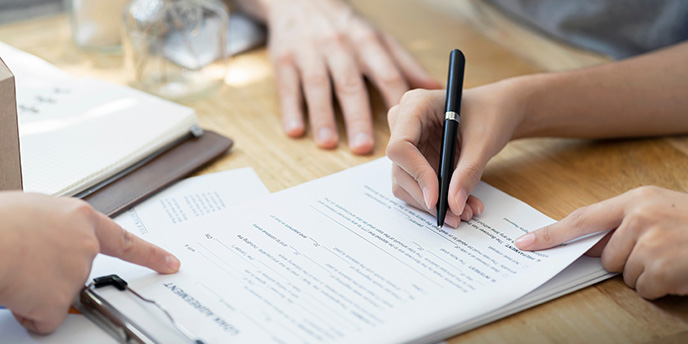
(450,135)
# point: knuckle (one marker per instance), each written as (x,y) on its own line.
(606,262)
(397,150)
(546,235)
(612,262)
(652,243)
(655,283)
(396,173)
(423,175)
(472,171)
(81,208)
(397,190)
(576,218)
(628,281)
(637,220)
(413,96)
(393,77)
(351,84)
(642,289)
(127,243)
(283,58)
(646,191)
(334,39)
(393,113)
(358,123)
(392,117)
(367,35)
(92,246)
(659,273)
(316,78)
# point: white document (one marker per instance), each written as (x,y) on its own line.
(340,259)
(77,132)
(191,199)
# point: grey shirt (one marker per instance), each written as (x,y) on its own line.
(617,28)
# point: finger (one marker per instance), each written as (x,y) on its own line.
(417,112)
(316,87)
(450,220)
(633,267)
(117,242)
(54,317)
(381,69)
(467,213)
(353,99)
(392,116)
(663,273)
(291,100)
(648,287)
(622,244)
(408,158)
(407,124)
(476,205)
(598,217)
(414,73)
(422,197)
(596,251)
(466,176)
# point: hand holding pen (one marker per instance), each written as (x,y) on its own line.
(489,116)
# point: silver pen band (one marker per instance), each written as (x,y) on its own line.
(451,115)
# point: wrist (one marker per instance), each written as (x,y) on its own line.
(526,94)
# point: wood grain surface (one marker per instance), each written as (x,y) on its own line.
(555,176)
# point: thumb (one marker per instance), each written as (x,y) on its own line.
(465,178)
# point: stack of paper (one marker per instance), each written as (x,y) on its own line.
(338,259)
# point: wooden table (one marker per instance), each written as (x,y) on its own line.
(555,176)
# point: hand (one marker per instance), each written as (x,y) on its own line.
(490,116)
(648,241)
(47,246)
(314,44)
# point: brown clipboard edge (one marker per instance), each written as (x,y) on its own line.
(176,163)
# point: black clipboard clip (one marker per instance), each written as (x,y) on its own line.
(113,321)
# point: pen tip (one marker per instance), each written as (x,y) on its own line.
(439,227)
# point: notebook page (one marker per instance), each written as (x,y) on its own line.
(75,132)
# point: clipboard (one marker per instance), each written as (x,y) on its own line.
(97,309)
(157,171)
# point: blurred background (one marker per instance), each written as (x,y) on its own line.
(13,10)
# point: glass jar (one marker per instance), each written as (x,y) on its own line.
(96,24)
(176,48)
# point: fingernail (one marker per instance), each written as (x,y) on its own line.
(461,201)
(324,134)
(525,241)
(426,197)
(172,262)
(479,209)
(451,221)
(293,127)
(361,140)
